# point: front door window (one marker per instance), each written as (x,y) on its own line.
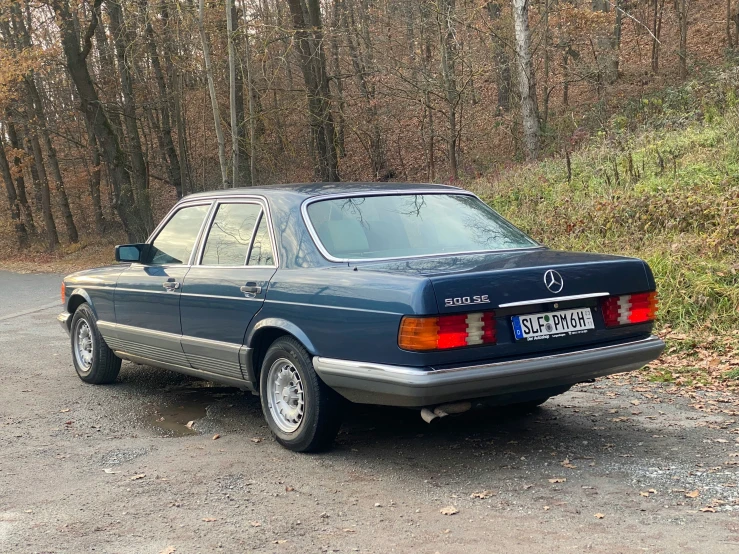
(174,243)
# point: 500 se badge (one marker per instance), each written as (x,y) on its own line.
(466,300)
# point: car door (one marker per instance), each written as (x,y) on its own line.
(227,285)
(147,297)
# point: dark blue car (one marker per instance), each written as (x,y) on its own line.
(402,295)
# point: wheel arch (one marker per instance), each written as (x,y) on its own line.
(78,297)
(266,332)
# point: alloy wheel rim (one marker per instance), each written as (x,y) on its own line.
(286,396)
(83,347)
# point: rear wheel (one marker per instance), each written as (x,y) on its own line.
(94,362)
(302,412)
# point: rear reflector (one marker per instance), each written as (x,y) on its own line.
(447,331)
(64,293)
(629,309)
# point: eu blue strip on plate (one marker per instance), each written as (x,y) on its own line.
(517,327)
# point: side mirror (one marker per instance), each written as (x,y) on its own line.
(130,252)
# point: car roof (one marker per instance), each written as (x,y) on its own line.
(310,190)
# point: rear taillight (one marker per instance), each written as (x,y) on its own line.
(447,331)
(631,308)
(64,293)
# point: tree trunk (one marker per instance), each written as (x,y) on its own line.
(235,123)
(97,208)
(308,31)
(729,38)
(38,121)
(52,237)
(123,44)
(173,160)
(250,91)
(526,78)
(683,49)
(658,10)
(34,103)
(447,46)
(502,60)
(20,182)
(21,233)
(115,158)
(213,98)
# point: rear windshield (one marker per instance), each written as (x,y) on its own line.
(398,226)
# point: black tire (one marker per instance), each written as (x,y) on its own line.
(104,365)
(321,415)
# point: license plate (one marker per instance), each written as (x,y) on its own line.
(552,324)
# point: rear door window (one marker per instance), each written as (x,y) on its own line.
(230,234)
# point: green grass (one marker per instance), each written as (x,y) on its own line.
(662,185)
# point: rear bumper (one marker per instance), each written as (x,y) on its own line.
(369,383)
(64,319)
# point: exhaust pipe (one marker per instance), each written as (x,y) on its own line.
(443,410)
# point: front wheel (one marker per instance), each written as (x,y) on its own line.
(302,412)
(93,360)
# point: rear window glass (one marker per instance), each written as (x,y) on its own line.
(397,226)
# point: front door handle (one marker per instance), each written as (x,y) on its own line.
(251,290)
(171,286)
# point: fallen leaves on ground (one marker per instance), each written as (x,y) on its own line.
(693,494)
(209,519)
(557,480)
(566,463)
(216,437)
(449,511)
(137,477)
(255,524)
(110,470)
(599,516)
(168,550)
(710,509)
(255,439)
(189,424)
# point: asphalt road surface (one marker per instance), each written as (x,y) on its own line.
(614,466)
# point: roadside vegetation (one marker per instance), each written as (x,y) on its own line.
(659,181)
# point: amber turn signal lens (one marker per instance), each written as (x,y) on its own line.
(419,333)
(64,293)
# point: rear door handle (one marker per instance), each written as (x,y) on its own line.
(171,286)
(251,289)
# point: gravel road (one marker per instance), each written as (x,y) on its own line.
(613,466)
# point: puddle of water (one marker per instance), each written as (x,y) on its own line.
(187,404)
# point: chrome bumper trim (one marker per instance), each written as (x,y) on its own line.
(64,319)
(412,386)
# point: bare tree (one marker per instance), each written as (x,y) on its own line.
(526,78)
(213,98)
(306,17)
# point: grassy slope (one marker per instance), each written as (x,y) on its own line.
(662,183)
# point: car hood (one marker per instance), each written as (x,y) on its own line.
(518,276)
(106,275)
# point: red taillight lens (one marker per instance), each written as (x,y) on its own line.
(629,309)
(447,331)
(64,293)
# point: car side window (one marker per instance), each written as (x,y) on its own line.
(261,250)
(174,243)
(230,234)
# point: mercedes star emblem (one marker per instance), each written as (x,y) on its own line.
(553,280)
